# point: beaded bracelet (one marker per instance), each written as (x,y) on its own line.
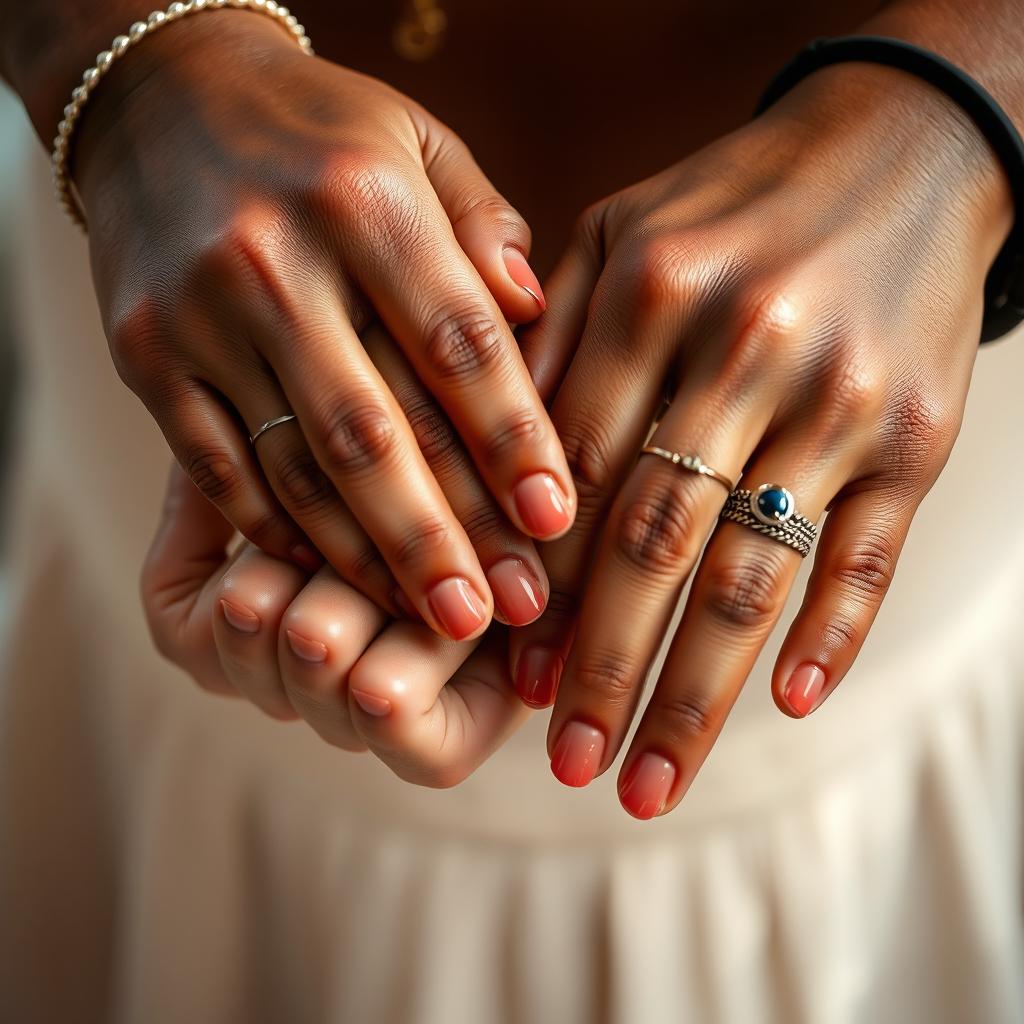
(118,48)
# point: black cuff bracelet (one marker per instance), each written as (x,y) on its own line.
(1004,286)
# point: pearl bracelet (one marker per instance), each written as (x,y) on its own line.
(118,48)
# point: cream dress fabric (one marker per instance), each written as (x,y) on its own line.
(171,857)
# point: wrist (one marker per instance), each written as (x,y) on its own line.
(872,115)
(188,62)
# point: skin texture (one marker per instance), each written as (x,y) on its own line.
(784,293)
(234,278)
(807,292)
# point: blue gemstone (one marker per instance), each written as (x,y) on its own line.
(773,503)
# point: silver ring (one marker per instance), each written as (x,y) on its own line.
(771,510)
(691,462)
(271,423)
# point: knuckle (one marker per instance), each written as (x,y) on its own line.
(367,194)
(136,335)
(497,211)
(253,252)
(262,530)
(745,593)
(666,271)
(484,522)
(607,680)
(867,567)
(215,471)
(519,430)
(856,391)
(428,538)
(840,632)
(302,484)
(434,434)
(919,434)
(366,565)
(657,533)
(778,322)
(588,449)
(463,344)
(685,716)
(357,437)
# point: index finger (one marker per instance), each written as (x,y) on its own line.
(432,300)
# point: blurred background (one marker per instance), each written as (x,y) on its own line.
(14,137)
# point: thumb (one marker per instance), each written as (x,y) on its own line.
(491,233)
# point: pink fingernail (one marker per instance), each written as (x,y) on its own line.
(372,704)
(537,676)
(307,557)
(577,755)
(302,647)
(458,607)
(804,688)
(520,272)
(517,594)
(646,787)
(239,618)
(542,505)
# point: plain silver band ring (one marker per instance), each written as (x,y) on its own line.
(693,463)
(271,423)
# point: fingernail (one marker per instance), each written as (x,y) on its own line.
(542,505)
(804,688)
(647,785)
(371,704)
(517,594)
(520,272)
(308,650)
(240,618)
(405,606)
(458,607)
(307,557)
(577,754)
(537,676)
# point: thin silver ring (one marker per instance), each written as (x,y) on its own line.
(691,462)
(277,421)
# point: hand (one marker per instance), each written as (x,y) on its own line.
(250,211)
(808,292)
(254,626)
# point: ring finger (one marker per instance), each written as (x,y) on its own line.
(737,596)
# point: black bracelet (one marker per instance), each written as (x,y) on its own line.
(1004,285)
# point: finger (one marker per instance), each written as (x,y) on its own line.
(738,593)
(510,561)
(431,709)
(652,540)
(464,352)
(549,345)
(853,568)
(250,602)
(216,456)
(308,495)
(603,412)
(323,634)
(361,439)
(492,234)
(186,556)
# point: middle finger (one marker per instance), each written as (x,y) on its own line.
(654,535)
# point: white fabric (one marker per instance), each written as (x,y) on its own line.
(167,856)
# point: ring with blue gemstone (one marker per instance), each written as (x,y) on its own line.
(771,509)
